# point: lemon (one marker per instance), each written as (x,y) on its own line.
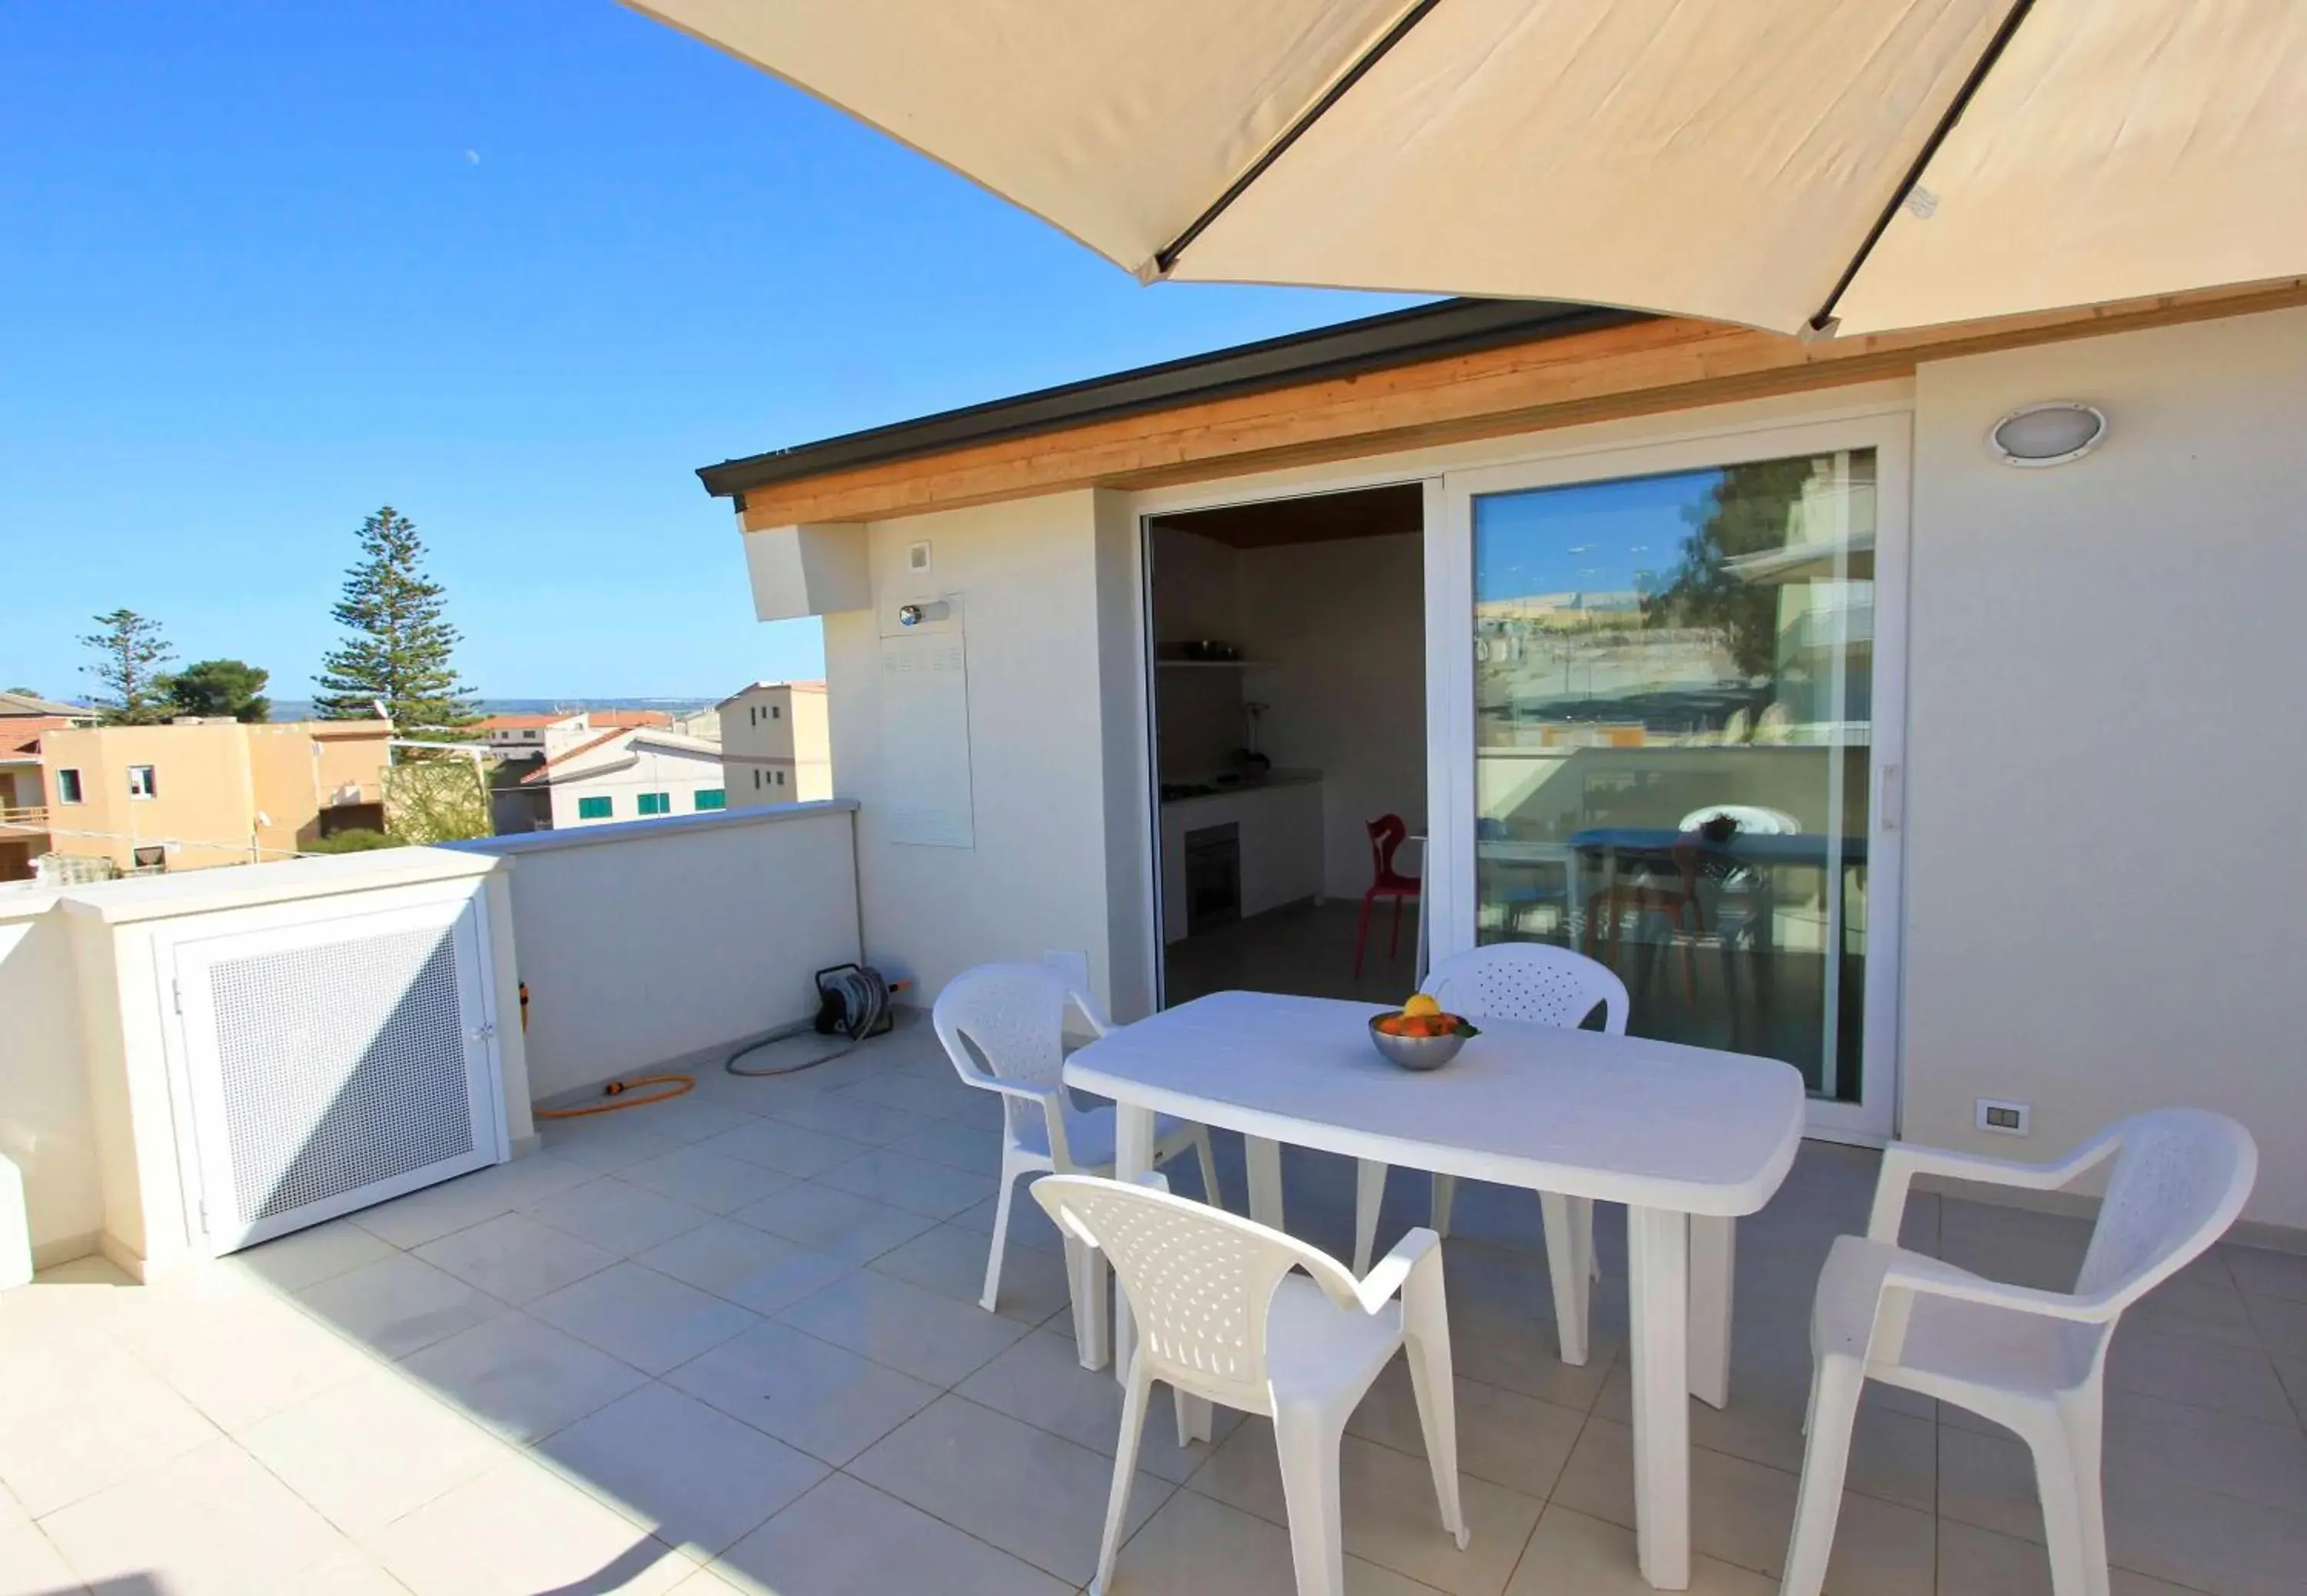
(1419,1003)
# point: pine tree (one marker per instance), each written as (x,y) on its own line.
(130,652)
(400,650)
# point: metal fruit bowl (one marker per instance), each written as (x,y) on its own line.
(1420,1053)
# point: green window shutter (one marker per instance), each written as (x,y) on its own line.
(712,797)
(656,803)
(595,808)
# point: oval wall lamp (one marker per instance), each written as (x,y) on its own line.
(2034,436)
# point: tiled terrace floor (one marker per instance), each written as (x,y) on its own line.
(731,1345)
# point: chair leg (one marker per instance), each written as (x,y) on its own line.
(1361,933)
(1566,1270)
(1437,1420)
(1209,1162)
(1446,1197)
(1394,938)
(2085,1420)
(2059,1481)
(1583,1209)
(1307,1441)
(1000,1238)
(1125,1464)
(1835,1385)
(1193,1414)
(1369,1196)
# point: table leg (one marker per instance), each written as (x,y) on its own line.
(1713,1263)
(1567,1271)
(1265,1159)
(1132,1158)
(1659,1266)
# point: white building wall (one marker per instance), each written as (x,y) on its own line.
(774,745)
(45,1128)
(2107,766)
(1024,578)
(679,774)
(1346,623)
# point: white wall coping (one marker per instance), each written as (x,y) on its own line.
(239,886)
(640,830)
(30,904)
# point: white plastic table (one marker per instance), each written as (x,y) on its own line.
(1675,1133)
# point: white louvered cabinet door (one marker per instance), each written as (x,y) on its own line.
(335,1063)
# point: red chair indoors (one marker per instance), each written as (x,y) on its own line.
(1386,834)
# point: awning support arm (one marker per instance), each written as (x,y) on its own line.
(1822,324)
(1167,256)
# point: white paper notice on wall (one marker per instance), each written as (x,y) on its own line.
(925,740)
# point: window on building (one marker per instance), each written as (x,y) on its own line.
(781,778)
(712,797)
(656,803)
(753,715)
(777,712)
(68,787)
(595,808)
(143,782)
(756,781)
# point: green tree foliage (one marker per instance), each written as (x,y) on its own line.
(1745,514)
(436,799)
(220,688)
(129,654)
(399,652)
(358,839)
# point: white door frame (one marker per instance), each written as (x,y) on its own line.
(1450,693)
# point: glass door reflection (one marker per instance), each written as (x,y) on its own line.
(1673,690)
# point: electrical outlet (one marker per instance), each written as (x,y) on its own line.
(917,557)
(2004,1118)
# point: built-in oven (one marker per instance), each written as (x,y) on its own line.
(1213,877)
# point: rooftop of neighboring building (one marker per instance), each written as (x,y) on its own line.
(16,705)
(817,685)
(566,765)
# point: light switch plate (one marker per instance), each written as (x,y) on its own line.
(2004,1117)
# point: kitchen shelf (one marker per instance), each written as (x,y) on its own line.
(1213,664)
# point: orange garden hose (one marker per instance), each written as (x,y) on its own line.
(677,1085)
(680,1085)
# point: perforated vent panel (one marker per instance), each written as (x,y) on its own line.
(342,1065)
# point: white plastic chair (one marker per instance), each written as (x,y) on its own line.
(2031,1360)
(1003,1025)
(1540,983)
(1223,1316)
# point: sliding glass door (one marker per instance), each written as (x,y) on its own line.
(1673,739)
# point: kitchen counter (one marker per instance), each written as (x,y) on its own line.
(1237,789)
(1279,823)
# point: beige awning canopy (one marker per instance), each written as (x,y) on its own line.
(1775,163)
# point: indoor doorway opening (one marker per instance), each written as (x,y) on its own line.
(1288,695)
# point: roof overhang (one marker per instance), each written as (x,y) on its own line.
(1450,372)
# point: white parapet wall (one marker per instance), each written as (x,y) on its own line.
(45,1127)
(654,939)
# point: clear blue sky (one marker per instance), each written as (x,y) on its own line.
(516,267)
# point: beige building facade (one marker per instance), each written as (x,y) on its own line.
(775,746)
(191,796)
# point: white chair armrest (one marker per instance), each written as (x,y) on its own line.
(1903,1161)
(1401,1271)
(1052,1098)
(1927,1277)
